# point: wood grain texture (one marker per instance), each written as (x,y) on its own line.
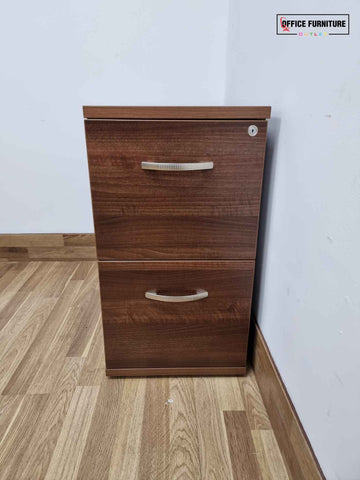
(86,318)
(155,444)
(183,371)
(177,112)
(127,445)
(253,403)
(184,443)
(31,240)
(94,366)
(228,393)
(67,333)
(268,455)
(143,214)
(12,282)
(241,447)
(71,442)
(8,274)
(295,448)
(47,246)
(30,319)
(97,455)
(48,367)
(32,360)
(37,456)
(9,404)
(71,421)
(16,438)
(141,333)
(214,452)
(13,291)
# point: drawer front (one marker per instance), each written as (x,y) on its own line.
(142,332)
(152,214)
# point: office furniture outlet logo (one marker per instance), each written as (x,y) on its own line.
(312,25)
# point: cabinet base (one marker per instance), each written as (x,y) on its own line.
(179,371)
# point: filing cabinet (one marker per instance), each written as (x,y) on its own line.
(176,196)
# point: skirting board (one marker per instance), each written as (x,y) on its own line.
(47,246)
(294,445)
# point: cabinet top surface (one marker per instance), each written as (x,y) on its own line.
(174,113)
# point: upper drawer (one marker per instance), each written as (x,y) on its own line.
(154,214)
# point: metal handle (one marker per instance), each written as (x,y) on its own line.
(199,295)
(178,167)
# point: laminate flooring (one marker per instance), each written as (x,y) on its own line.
(62,418)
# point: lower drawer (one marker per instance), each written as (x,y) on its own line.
(184,316)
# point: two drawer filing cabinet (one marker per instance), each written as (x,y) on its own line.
(176,196)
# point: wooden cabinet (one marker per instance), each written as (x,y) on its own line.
(176,196)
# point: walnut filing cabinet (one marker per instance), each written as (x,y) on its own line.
(176,196)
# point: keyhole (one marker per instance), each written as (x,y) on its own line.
(253,130)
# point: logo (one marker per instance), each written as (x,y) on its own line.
(313,25)
(283,23)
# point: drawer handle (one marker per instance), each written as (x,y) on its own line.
(199,295)
(177,167)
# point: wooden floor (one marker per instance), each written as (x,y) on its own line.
(62,418)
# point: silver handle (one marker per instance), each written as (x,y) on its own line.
(199,295)
(178,167)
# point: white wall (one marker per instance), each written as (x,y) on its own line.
(308,282)
(57,56)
